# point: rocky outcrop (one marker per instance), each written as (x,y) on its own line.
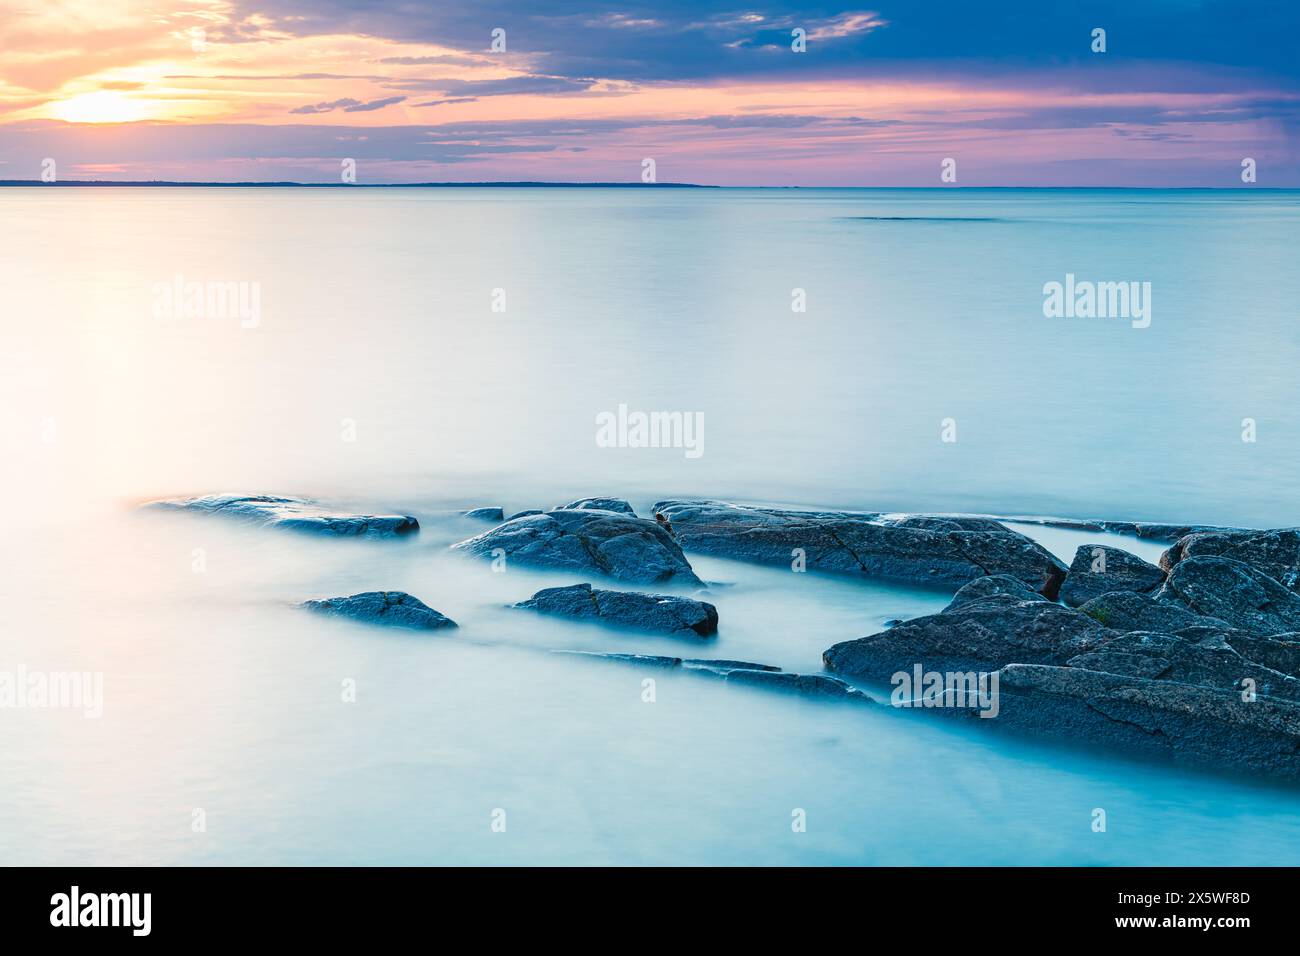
(617,505)
(994,585)
(981,635)
(1148,530)
(389,608)
(1187,723)
(296,514)
(1098,569)
(1131,611)
(589,542)
(486,514)
(1275,553)
(919,549)
(809,685)
(681,616)
(1234,592)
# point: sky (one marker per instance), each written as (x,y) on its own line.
(881,94)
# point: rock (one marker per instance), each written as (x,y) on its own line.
(391,608)
(990,586)
(486,514)
(723,666)
(982,635)
(1131,611)
(920,549)
(1275,553)
(1189,724)
(298,514)
(644,660)
(652,612)
(1232,591)
(811,685)
(1098,569)
(1139,529)
(589,542)
(617,505)
(523,514)
(1280,652)
(891,622)
(1203,657)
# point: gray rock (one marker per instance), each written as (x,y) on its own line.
(993,585)
(1148,530)
(486,514)
(652,612)
(1201,656)
(1131,611)
(811,685)
(1199,726)
(982,635)
(524,514)
(1232,591)
(724,665)
(919,549)
(617,505)
(297,514)
(391,608)
(643,660)
(1275,553)
(1122,572)
(589,542)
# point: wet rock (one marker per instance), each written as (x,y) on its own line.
(1234,592)
(651,612)
(486,514)
(982,635)
(617,505)
(919,549)
(1098,569)
(992,585)
(589,542)
(297,514)
(1131,611)
(524,514)
(390,608)
(724,665)
(644,660)
(1275,553)
(1189,724)
(1202,656)
(810,685)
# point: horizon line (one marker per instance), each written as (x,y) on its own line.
(589,185)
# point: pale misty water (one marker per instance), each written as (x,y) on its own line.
(375,307)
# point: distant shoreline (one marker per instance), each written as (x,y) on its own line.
(633,185)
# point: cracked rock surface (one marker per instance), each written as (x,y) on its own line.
(390,608)
(920,549)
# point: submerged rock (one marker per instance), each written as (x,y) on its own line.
(1098,569)
(589,542)
(486,514)
(1190,724)
(524,514)
(981,635)
(1232,591)
(811,685)
(391,608)
(617,505)
(298,514)
(645,660)
(920,549)
(652,612)
(1275,553)
(722,666)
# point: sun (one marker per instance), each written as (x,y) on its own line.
(104,106)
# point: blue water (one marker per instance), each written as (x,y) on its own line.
(378,375)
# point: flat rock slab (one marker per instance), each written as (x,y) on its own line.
(1100,569)
(1275,553)
(589,542)
(1232,591)
(809,685)
(1199,726)
(389,608)
(295,514)
(667,613)
(981,635)
(1131,611)
(918,549)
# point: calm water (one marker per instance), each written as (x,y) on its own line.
(378,375)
